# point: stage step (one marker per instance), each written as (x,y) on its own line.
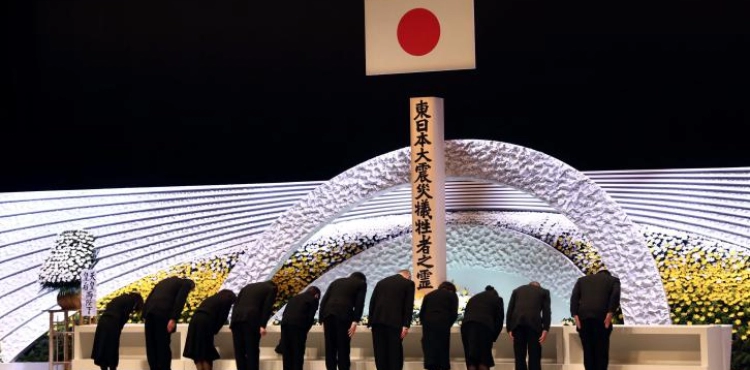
(364,365)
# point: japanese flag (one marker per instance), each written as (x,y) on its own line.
(403,36)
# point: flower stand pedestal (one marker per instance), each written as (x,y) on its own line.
(61,346)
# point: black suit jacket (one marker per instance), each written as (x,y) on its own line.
(595,295)
(217,308)
(486,308)
(392,302)
(530,306)
(120,308)
(168,298)
(254,303)
(439,308)
(300,310)
(344,299)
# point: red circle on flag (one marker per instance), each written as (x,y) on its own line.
(418,31)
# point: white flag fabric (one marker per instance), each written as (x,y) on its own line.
(403,36)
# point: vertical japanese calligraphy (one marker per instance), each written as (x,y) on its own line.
(88,293)
(428,193)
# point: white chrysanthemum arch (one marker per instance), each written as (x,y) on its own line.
(620,243)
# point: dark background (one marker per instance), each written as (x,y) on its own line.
(149,93)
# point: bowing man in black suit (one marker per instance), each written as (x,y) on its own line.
(438,313)
(482,324)
(528,322)
(206,322)
(298,318)
(249,318)
(161,312)
(340,311)
(391,307)
(106,348)
(593,304)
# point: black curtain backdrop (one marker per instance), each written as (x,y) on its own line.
(154,93)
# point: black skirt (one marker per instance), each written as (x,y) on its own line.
(436,341)
(199,344)
(478,341)
(106,348)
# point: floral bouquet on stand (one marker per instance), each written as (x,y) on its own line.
(463,299)
(73,252)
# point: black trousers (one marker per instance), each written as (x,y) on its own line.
(595,342)
(293,346)
(158,351)
(246,339)
(387,347)
(526,341)
(338,343)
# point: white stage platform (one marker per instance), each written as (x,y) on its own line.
(676,347)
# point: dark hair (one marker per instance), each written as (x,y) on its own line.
(447,285)
(226,294)
(489,287)
(312,289)
(359,276)
(192,283)
(138,301)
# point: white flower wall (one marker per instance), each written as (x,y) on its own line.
(571,193)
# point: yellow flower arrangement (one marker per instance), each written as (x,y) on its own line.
(581,252)
(208,274)
(708,285)
(310,262)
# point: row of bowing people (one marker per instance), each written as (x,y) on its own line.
(340,311)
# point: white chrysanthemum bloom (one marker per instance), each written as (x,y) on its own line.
(72,252)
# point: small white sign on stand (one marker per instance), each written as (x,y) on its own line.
(88,293)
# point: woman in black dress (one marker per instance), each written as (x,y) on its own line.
(207,320)
(438,313)
(106,348)
(482,324)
